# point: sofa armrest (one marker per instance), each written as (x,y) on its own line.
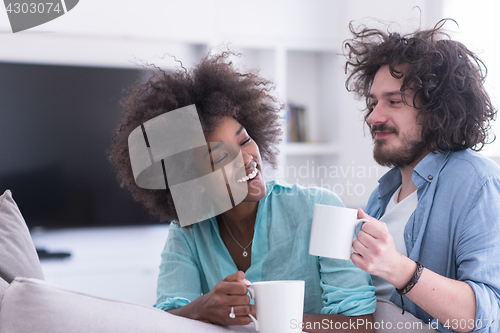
(18,256)
(31,305)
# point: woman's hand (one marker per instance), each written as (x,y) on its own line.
(215,306)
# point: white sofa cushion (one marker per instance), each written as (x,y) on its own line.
(17,253)
(3,286)
(31,305)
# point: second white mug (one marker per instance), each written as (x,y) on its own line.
(332,231)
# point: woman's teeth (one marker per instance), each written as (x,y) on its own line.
(250,176)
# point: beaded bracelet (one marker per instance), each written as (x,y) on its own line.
(413,281)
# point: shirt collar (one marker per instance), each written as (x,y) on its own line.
(425,171)
(428,168)
(389,181)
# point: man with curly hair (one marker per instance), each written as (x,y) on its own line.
(436,252)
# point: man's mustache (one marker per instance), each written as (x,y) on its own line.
(382,128)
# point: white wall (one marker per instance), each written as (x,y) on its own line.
(479,29)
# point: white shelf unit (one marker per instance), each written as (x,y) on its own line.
(309,83)
(303,75)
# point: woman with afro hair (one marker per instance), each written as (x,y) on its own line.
(206,267)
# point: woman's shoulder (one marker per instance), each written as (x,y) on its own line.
(186,239)
(188,232)
(296,193)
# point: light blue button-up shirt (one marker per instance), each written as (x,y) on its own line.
(455,229)
(195,258)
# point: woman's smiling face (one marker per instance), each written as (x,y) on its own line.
(224,140)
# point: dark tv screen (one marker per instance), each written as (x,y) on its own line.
(56,124)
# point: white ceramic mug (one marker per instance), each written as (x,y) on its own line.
(279,304)
(332,231)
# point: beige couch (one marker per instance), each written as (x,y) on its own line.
(30,305)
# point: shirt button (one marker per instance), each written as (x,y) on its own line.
(409,236)
(429,177)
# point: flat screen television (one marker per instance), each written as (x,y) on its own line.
(56,123)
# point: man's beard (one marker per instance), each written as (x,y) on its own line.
(403,156)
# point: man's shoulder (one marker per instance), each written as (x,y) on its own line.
(471,164)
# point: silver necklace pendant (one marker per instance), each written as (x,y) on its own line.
(245,253)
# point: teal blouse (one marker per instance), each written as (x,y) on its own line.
(195,258)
